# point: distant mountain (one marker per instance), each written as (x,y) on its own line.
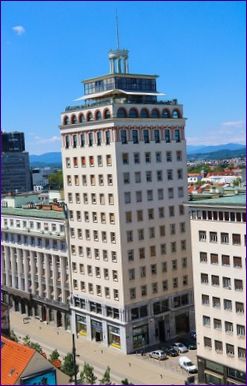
(46,159)
(218,155)
(202,149)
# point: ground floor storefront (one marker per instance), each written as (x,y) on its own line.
(214,373)
(135,335)
(30,306)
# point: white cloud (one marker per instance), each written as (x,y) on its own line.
(19,30)
(233,124)
(43,141)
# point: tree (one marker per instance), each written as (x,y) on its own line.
(13,336)
(125,381)
(68,366)
(36,346)
(54,355)
(55,180)
(106,380)
(26,340)
(87,376)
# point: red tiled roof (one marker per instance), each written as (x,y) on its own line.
(14,359)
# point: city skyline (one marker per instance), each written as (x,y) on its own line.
(42,64)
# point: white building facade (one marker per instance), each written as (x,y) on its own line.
(124,167)
(218,228)
(35,276)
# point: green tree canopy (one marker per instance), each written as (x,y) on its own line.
(68,365)
(55,180)
(106,380)
(87,376)
(54,355)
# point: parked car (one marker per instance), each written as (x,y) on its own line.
(192,346)
(158,354)
(186,364)
(193,334)
(172,352)
(181,347)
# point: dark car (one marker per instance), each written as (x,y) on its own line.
(192,346)
(172,352)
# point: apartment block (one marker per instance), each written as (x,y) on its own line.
(125,182)
(218,231)
(34,263)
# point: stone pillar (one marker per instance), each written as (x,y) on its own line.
(63,278)
(19,268)
(13,270)
(32,271)
(47,275)
(26,270)
(54,268)
(40,273)
(7,264)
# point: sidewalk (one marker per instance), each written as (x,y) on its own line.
(137,369)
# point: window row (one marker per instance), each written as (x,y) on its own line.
(95,236)
(89,161)
(153,269)
(227,303)
(222,237)
(149,135)
(150,196)
(91,179)
(218,215)
(95,271)
(229,348)
(95,289)
(152,233)
(131,255)
(96,253)
(40,242)
(137,157)
(95,217)
(150,176)
(227,326)
(95,199)
(227,282)
(121,113)
(34,225)
(153,252)
(225,259)
(154,288)
(96,307)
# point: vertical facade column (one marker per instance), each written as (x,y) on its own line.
(32,271)
(7,265)
(40,271)
(13,270)
(54,268)
(47,275)
(63,278)
(19,268)
(26,270)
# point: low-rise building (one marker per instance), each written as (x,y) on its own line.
(22,365)
(218,252)
(35,274)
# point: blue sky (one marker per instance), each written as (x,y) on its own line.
(197,49)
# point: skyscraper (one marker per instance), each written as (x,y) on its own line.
(124,166)
(16,176)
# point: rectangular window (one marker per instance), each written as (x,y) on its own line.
(108,160)
(137,177)
(238,285)
(170,193)
(125,158)
(206,321)
(217,324)
(229,350)
(169,174)
(130,254)
(207,342)
(99,160)
(224,238)
(148,157)
(143,271)
(225,260)
(214,258)
(148,176)
(205,300)
(213,237)
(215,280)
(158,156)
(126,178)
(237,262)
(127,197)
(227,305)
(216,302)
(236,239)
(149,195)
(136,158)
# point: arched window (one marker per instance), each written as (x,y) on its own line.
(73,119)
(144,113)
(135,136)
(74,141)
(124,136)
(99,138)
(107,114)
(81,118)
(165,113)
(175,114)
(66,120)
(177,135)
(107,137)
(146,136)
(156,136)
(66,141)
(82,137)
(167,136)
(98,115)
(155,113)
(121,113)
(133,113)
(89,116)
(90,139)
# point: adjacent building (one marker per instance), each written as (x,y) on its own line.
(125,182)
(22,365)
(16,176)
(218,227)
(35,278)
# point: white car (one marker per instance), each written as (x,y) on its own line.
(186,364)
(158,354)
(180,347)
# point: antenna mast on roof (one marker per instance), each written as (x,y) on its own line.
(117,30)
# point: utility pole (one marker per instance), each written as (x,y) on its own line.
(74,357)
